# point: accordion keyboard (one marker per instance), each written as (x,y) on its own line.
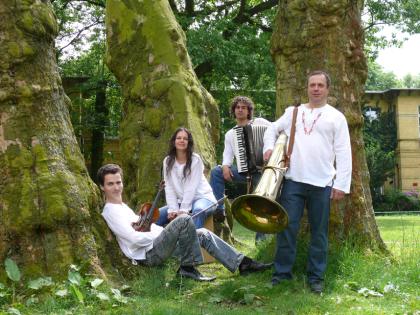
(248,147)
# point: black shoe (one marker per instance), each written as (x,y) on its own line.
(191,272)
(249,265)
(317,287)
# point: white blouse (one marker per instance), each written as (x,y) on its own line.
(182,192)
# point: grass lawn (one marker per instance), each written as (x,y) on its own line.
(356,283)
(401,234)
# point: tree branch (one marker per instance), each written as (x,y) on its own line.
(78,34)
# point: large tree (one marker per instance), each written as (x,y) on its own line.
(49,214)
(312,35)
(147,54)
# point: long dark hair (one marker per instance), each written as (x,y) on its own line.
(172,152)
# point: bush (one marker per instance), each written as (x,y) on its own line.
(395,200)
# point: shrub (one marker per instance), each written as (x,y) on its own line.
(395,200)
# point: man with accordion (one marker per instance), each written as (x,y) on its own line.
(244,142)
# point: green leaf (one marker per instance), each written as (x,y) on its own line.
(14,311)
(118,296)
(215,299)
(62,293)
(249,298)
(40,282)
(77,293)
(102,296)
(74,277)
(12,270)
(74,267)
(31,301)
(96,283)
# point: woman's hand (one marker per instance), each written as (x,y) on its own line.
(172,215)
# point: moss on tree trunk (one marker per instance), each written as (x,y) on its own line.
(147,53)
(313,35)
(49,207)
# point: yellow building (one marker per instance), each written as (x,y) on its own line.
(405,103)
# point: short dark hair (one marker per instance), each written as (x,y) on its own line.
(108,169)
(242,99)
(319,72)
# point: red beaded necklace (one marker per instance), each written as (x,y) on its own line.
(308,132)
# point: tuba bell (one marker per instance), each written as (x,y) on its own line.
(259,211)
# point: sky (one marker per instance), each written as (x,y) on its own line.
(404,60)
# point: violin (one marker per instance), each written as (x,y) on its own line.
(148,213)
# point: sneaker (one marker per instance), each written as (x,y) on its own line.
(249,265)
(191,272)
(316,287)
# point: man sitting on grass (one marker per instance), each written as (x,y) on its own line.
(180,236)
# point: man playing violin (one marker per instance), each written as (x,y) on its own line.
(180,236)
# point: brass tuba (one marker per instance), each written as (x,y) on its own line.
(259,211)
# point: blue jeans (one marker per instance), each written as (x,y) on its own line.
(217,183)
(293,198)
(181,238)
(197,206)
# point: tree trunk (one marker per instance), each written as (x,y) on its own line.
(98,130)
(49,214)
(147,54)
(313,35)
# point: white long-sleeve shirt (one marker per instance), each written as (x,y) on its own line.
(314,153)
(133,244)
(229,149)
(182,192)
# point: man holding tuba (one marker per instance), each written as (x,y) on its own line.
(320,170)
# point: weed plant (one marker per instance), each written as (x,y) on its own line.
(357,282)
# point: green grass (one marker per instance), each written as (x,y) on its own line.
(158,291)
(401,234)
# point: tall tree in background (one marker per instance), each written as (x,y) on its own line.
(147,54)
(49,214)
(327,35)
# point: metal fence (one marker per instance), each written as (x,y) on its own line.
(396,212)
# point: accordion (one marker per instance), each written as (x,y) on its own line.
(248,147)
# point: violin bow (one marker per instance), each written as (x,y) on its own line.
(209,207)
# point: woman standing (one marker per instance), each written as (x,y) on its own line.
(186,188)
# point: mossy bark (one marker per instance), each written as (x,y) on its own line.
(311,35)
(49,207)
(147,53)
